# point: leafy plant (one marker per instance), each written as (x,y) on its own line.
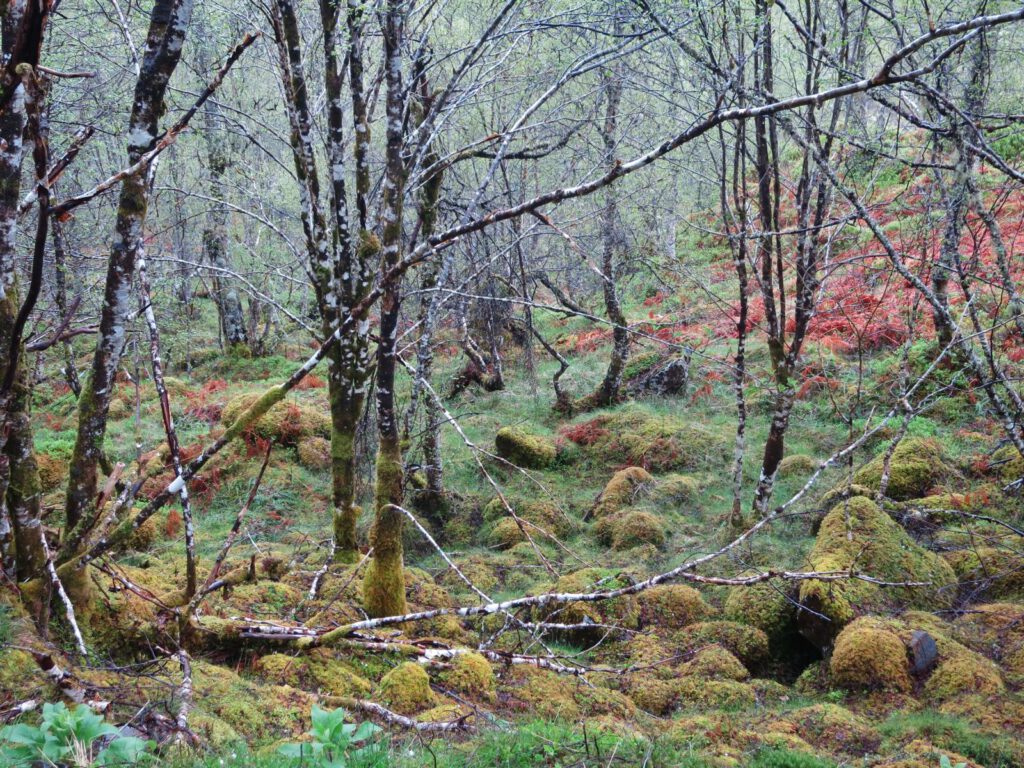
(335,743)
(70,737)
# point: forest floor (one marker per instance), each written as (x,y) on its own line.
(683,674)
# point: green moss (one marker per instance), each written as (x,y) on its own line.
(621,610)
(384,582)
(748,644)
(314,453)
(524,449)
(632,528)
(857,534)
(270,418)
(764,606)
(406,689)
(471,674)
(715,694)
(623,490)
(995,572)
(671,606)
(797,465)
(53,471)
(868,655)
(540,692)
(835,726)
(675,489)
(962,675)
(714,663)
(915,467)
(505,534)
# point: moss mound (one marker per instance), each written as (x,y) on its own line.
(868,655)
(963,675)
(675,489)
(314,453)
(625,488)
(748,644)
(714,663)
(471,674)
(525,449)
(621,611)
(991,571)
(286,423)
(631,528)
(765,606)
(916,466)
(715,694)
(53,471)
(837,727)
(797,465)
(406,689)
(633,435)
(671,606)
(858,535)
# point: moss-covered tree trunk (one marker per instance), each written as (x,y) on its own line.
(384,583)
(169,20)
(20,493)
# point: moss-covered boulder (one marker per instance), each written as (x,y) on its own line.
(626,487)
(406,689)
(619,611)
(286,423)
(471,675)
(748,644)
(868,655)
(714,663)
(768,607)
(963,675)
(675,490)
(525,449)
(314,453)
(702,694)
(916,466)
(668,607)
(797,465)
(630,528)
(858,535)
(991,571)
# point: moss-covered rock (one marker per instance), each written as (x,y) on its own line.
(991,571)
(916,466)
(631,528)
(705,694)
(714,663)
(471,675)
(626,487)
(766,606)
(406,689)
(867,655)
(840,729)
(667,607)
(748,644)
(314,453)
(539,692)
(963,675)
(675,489)
(797,465)
(621,611)
(525,449)
(505,534)
(285,422)
(858,535)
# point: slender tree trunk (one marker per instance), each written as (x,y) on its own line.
(169,21)
(384,583)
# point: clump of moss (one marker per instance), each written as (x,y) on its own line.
(652,694)
(505,534)
(406,689)
(471,674)
(53,471)
(856,534)
(714,663)
(631,528)
(868,655)
(748,644)
(286,423)
(1008,463)
(797,465)
(539,692)
(620,610)
(991,571)
(671,606)
(675,489)
(624,489)
(964,674)
(632,435)
(525,449)
(916,466)
(841,493)
(317,671)
(838,727)
(715,694)
(314,453)
(764,606)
